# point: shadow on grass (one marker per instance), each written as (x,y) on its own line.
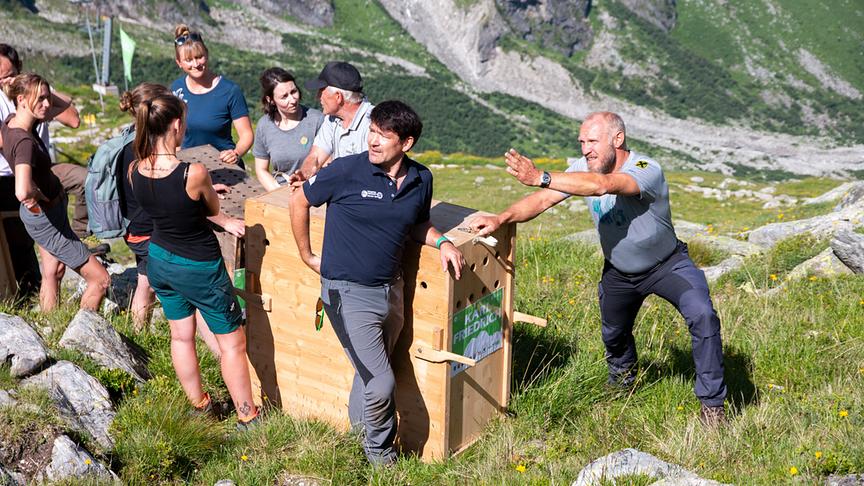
(537,352)
(741,391)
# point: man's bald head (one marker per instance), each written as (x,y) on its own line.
(613,123)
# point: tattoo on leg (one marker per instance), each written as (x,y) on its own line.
(245,408)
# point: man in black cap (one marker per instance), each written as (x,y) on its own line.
(346,122)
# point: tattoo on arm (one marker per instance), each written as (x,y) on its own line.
(245,408)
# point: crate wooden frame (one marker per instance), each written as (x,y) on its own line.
(306,372)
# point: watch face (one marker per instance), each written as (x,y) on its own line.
(545,179)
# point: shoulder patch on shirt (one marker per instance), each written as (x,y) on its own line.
(642,164)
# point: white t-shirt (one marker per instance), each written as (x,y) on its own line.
(6,109)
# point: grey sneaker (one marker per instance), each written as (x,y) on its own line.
(713,416)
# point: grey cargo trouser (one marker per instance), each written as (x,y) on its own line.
(678,281)
(367,321)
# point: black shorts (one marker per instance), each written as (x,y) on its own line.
(141,250)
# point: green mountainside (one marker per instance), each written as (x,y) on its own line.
(739,63)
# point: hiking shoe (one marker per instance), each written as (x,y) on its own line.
(207,410)
(712,416)
(101,249)
(623,381)
(249,424)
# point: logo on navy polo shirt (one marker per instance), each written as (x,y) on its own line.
(371,194)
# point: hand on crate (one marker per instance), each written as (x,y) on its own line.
(484,225)
(221,190)
(229,157)
(450,254)
(236,227)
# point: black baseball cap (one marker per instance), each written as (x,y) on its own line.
(338,74)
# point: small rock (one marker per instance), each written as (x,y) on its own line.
(714,272)
(94,336)
(697,179)
(20,345)
(8,478)
(589,236)
(224,482)
(507,188)
(80,398)
(68,460)
(849,248)
(631,462)
(6,400)
(493,167)
(479,180)
(286,479)
(848,480)
(838,192)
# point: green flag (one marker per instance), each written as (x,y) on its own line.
(127,47)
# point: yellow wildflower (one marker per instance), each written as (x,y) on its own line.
(843,413)
(571,301)
(793,471)
(88,461)
(679,408)
(244,458)
(520,468)
(780,216)
(818,454)
(813,278)
(772,277)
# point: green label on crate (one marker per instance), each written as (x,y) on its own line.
(240,283)
(477,329)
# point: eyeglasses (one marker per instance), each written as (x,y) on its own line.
(192,36)
(319,315)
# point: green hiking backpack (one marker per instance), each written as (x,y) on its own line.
(100,188)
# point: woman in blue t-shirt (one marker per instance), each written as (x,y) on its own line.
(213,103)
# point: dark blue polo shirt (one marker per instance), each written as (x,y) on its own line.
(367,218)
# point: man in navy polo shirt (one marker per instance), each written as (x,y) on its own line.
(374,200)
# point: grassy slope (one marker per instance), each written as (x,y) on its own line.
(794,363)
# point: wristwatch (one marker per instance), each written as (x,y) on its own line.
(545,179)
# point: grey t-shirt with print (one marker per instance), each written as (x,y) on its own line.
(636,232)
(286,149)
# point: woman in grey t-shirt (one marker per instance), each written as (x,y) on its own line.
(286,131)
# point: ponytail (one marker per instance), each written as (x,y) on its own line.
(153,120)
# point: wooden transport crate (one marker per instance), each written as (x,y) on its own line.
(242,187)
(441,409)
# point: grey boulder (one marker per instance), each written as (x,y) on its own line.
(631,462)
(20,346)
(80,398)
(91,334)
(69,460)
(849,248)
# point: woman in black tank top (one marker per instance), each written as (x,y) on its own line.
(185,265)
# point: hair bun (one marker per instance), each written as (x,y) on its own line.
(126,101)
(181,29)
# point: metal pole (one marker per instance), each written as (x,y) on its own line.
(106,52)
(93,51)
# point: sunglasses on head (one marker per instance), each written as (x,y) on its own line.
(193,36)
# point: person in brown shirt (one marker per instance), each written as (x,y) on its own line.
(43,202)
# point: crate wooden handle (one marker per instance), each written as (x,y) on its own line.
(426,353)
(263,301)
(529,319)
(489,241)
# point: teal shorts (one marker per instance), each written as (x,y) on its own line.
(183,285)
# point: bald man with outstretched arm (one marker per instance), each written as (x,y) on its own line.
(628,198)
